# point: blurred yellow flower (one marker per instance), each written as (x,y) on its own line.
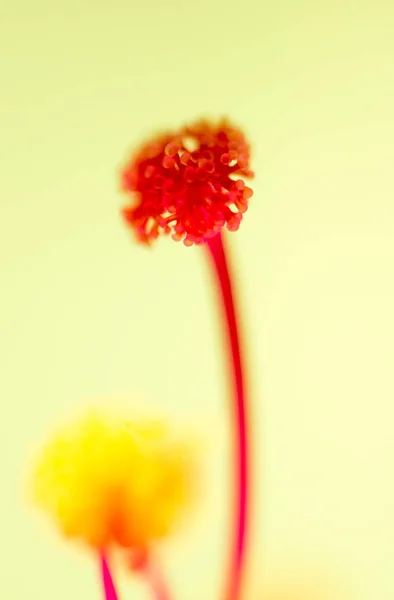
(108,481)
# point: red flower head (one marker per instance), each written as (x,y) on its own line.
(188,183)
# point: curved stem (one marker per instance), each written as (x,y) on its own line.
(108,583)
(240,415)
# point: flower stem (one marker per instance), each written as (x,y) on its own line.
(108,584)
(156,580)
(240,415)
(152,573)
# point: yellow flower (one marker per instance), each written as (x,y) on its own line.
(107,480)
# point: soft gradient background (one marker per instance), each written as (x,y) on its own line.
(85,313)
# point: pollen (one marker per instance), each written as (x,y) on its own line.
(188,184)
(110,482)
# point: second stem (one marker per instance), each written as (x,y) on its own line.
(240,415)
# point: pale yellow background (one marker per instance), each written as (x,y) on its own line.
(86,313)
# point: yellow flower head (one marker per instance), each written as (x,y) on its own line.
(106,480)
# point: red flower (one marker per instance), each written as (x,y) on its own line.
(191,184)
(188,183)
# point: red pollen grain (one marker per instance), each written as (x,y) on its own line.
(188,184)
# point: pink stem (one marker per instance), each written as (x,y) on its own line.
(108,584)
(218,254)
(148,569)
(156,581)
